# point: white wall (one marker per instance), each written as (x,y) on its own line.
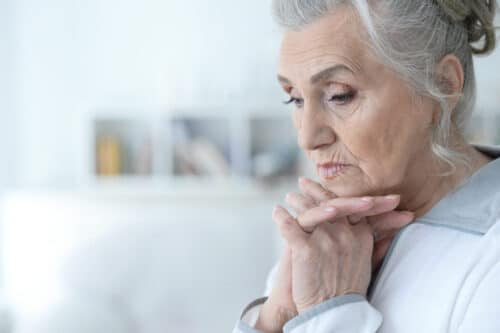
(75,55)
(8,116)
(488,85)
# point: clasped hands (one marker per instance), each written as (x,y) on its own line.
(332,246)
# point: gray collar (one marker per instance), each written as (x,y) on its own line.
(475,205)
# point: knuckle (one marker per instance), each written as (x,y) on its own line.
(325,240)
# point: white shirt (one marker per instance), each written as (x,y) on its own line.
(441,274)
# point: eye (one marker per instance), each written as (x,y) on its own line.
(342,99)
(299,102)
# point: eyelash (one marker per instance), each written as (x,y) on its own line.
(343,98)
(294,100)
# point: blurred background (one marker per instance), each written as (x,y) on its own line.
(143,147)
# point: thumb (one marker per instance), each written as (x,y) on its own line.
(283,281)
(280,296)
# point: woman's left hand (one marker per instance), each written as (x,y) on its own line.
(384,220)
(334,260)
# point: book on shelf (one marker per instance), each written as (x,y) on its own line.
(109,156)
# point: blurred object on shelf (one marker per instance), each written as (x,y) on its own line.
(199,148)
(109,156)
(124,146)
(182,158)
(207,158)
(200,157)
(143,165)
(280,161)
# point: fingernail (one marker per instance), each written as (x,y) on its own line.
(367,199)
(330,209)
(392,197)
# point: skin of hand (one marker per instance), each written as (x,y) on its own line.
(314,207)
(333,260)
(385,222)
(279,307)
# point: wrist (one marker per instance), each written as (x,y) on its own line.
(272,318)
(305,307)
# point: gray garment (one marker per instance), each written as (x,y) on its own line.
(475,204)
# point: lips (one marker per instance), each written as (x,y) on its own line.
(330,170)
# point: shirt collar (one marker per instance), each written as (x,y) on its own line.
(474,206)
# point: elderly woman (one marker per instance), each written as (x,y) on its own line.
(382,91)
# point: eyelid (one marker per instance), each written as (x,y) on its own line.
(339,88)
(342,99)
(294,100)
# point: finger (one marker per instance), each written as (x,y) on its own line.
(289,229)
(315,190)
(380,236)
(379,252)
(351,206)
(316,216)
(340,208)
(381,205)
(390,221)
(299,202)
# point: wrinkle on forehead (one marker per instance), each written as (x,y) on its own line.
(336,37)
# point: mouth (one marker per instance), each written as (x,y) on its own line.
(330,170)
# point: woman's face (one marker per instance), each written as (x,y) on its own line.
(356,119)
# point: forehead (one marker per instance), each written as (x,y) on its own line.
(336,38)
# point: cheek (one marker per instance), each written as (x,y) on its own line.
(382,141)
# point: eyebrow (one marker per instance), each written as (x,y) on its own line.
(321,76)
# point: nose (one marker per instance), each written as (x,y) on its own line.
(315,131)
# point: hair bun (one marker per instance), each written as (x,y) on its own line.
(477,16)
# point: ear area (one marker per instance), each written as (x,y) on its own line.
(450,78)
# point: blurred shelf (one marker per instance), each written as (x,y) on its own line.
(198,152)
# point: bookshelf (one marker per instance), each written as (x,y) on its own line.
(188,150)
(213,151)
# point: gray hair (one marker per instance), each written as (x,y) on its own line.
(411,37)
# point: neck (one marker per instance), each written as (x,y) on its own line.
(426,185)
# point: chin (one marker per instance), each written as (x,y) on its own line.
(345,188)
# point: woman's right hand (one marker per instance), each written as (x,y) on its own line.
(279,306)
(382,216)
